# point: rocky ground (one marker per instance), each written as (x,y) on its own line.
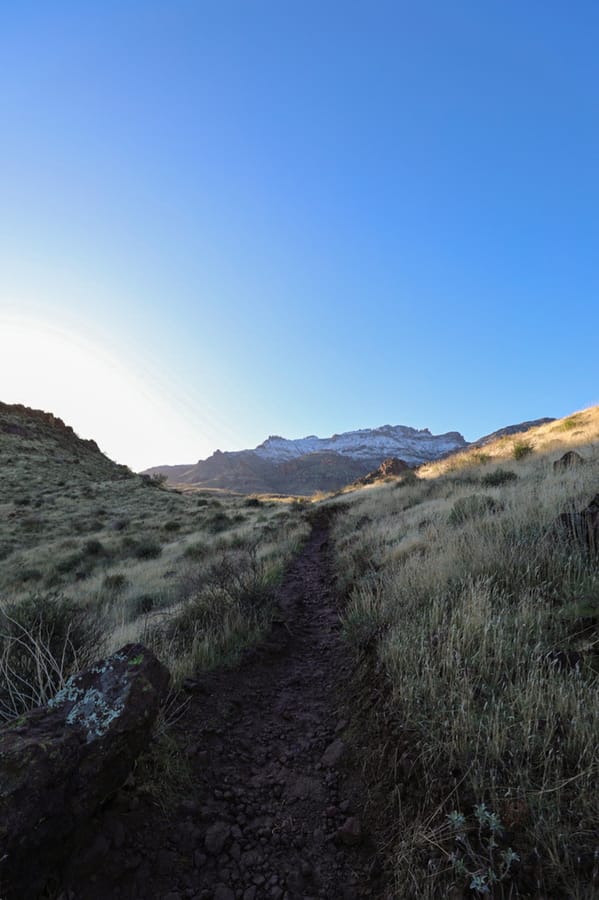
(275,806)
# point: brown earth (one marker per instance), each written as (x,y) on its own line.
(276,809)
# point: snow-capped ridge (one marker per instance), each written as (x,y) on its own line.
(412,444)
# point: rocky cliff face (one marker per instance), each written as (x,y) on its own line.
(310,464)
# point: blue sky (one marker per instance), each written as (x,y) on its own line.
(223,220)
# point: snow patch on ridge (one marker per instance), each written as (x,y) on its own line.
(410,444)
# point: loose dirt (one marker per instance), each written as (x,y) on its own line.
(275,808)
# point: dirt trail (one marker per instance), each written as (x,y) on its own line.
(276,805)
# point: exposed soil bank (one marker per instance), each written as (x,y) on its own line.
(276,805)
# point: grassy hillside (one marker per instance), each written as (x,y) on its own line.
(476,623)
(473,616)
(93,556)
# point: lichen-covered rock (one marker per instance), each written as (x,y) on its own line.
(59,763)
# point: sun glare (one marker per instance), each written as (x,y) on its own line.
(86,384)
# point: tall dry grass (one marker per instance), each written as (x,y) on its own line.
(484,624)
(128,560)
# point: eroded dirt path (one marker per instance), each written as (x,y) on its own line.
(275,809)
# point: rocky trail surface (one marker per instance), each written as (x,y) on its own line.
(275,808)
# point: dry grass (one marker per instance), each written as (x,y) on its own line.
(484,628)
(128,554)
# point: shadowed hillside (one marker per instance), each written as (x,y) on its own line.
(113,557)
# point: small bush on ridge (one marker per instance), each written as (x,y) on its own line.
(521,449)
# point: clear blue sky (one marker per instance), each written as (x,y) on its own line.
(222,220)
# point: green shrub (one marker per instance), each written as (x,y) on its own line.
(43,640)
(141,605)
(32,523)
(172,525)
(196,551)
(115,582)
(218,522)
(94,548)
(30,573)
(570,423)
(68,563)
(147,548)
(407,479)
(521,449)
(498,477)
(158,479)
(120,524)
(472,507)
(243,577)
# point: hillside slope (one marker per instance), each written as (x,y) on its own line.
(472,603)
(115,550)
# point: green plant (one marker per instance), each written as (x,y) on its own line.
(218,522)
(158,479)
(172,525)
(114,582)
(44,639)
(94,547)
(472,507)
(498,477)
(141,605)
(407,479)
(477,857)
(196,551)
(147,548)
(163,770)
(521,449)
(570,423)
(120,524)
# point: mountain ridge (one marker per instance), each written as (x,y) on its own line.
(305,465)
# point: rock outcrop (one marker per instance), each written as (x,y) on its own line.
(568,461)
(391,467)
(581,527)
(59,763)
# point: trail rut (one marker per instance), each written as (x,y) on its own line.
(276,806)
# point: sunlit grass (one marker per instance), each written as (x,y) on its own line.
(473,608)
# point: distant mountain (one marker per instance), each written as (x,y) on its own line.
(369,444)
(310,464)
